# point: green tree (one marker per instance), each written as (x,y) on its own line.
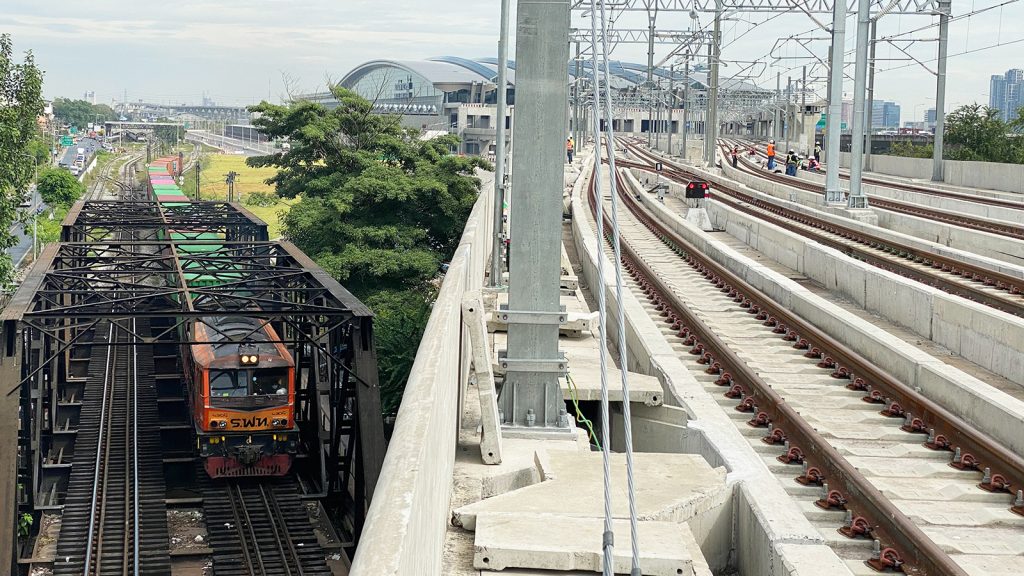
(59,188)
(80,113)
(22,102)
(380,210)
(975,132)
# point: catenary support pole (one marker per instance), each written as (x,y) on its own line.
(532,395)
(857,198)
(686,104)
(940,90)
(803,111)
(576,132)
(671,103)
(833,191)
(787,128)
(869,109)
(711,121)
(777,116)
(499,149)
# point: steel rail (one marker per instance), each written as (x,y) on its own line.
(920,553)
(1016,205)
(970,272)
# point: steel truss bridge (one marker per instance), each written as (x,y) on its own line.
(117,260)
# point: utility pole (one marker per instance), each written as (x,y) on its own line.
(672,103)
(198,195)
(531,397)
(940,91)
(499,149)
(686,103)
(576,132)
(857,198)
(777,116)
(833,191)
(787,128)
(803,109)
(869,109)
(650,74)
(711,122)
(230,181)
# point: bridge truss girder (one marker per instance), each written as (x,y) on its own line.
(795,6)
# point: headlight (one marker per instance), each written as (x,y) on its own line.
(218,423)
(279,422)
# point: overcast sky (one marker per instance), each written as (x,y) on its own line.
(238,51)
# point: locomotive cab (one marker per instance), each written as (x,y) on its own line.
(243,398)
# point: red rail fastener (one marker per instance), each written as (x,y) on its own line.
(874,397)
(831,500)
(937,442)
(696,350)
(802,345)
(760,420)
(791,336)
(776,436)
(885,560)
(813,353)
(715,368)
(724,380)
(967,461)
(746,405)
(858,384)
(735,392)
(857,527)
(994,482)
(827,362)
(706,358)
(811,476)
(761,316)
(771,321)
(792,456)
(894,411)
(914,425)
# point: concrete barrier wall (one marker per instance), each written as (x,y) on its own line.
(991,175)
(405,528)
(797,200)
(769,535)
(985,336)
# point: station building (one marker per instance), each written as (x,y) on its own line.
(458,95)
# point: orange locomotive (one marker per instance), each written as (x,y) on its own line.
(242,397)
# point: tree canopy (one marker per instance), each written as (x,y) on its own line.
(80,113)
(975,132)
(380,210)
(21,91)
(58,187)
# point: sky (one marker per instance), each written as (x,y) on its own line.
(243,51)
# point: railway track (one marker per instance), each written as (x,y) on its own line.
(945,216)
(114,521)
(261,528)
(889,478)
(990,287)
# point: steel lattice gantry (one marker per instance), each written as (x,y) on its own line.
(123,260)
(796,6)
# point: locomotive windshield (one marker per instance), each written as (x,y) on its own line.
(251,388)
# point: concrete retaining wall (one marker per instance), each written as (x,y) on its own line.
(987,244)
(769,535)
(985,336)
(991,175)
(797,200)
(405,528)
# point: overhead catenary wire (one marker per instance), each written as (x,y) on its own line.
(602,108)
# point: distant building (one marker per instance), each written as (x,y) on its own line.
(885,114)
(90,97)
(929,118)
(846,116)
(1006,93)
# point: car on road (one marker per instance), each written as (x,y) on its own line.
(26,200)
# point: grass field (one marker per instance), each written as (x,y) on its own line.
(215,168)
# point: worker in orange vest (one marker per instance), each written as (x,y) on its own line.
(568,148)
(771,154)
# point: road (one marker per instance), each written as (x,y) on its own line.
(23,247)
(91,147)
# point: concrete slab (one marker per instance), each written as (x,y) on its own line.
(555,542)
(670,487)
(586,379)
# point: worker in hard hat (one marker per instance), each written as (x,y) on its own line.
(771,154)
